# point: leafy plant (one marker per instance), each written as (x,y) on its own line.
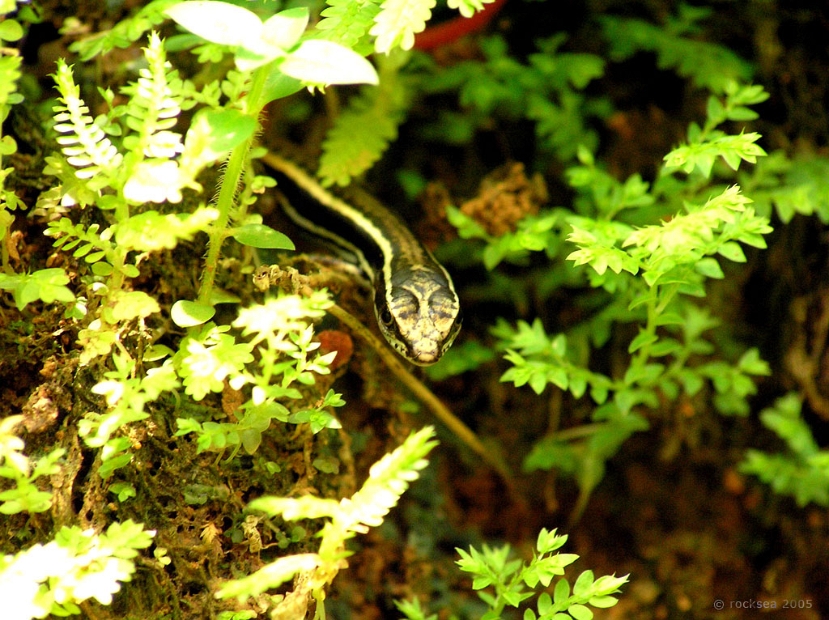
(22,472)
(388,480)
(281,334)
(10,31)
(649,273)
(802,470)
(638,256)
(547,91)
(76,566)
(708,65)
(144,172)
(514,581)
(47,285)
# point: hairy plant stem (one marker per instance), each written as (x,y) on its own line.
(229,189)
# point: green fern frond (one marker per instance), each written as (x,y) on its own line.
(153,109)
(347,22)
(708,65)
(82,141)
(358,139)
(9,74)
(387,480)
(362,133)
(398,22)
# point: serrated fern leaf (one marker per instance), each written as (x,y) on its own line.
(153,109)
(362,133)
(9,74)
(82,141)
(709,65)
(398,22)
(347,22)
(388,480)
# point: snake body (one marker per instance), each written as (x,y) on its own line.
(415,302)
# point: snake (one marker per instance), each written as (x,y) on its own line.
(415,302)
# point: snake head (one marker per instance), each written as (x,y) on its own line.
(420,319)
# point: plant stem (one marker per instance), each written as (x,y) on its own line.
(228,191)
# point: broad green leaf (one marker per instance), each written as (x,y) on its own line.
(317,61)
(7,145)
(284,29)
(212,134)
(129,305)
(217,22)
(732,251)
(710,268)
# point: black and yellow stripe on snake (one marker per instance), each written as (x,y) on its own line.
(415,302)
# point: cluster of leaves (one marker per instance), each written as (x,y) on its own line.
(802,471)
(134,166)
(48,285)
(281,334)
(78,565)
(706,64)
(547,91)
(15,466)
(387,481)
(650,248)
(514,581)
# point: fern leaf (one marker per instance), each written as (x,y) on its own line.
(9,74)
(388,480)
(347,22)
(362,133)
(152,109)
(398,22)
(83,142)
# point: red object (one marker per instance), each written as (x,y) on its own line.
(454,29)
(333,340)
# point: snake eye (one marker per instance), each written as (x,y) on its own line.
(385,317)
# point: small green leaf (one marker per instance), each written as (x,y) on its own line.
(732,251)
(603,602)
(644,338)
(10,30)
(561,592)
(129,305)
(228,128)
(709,267)
(7,146)
(261,236)
(189,313)
(580,612)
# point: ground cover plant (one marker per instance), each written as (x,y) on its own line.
(632,203)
